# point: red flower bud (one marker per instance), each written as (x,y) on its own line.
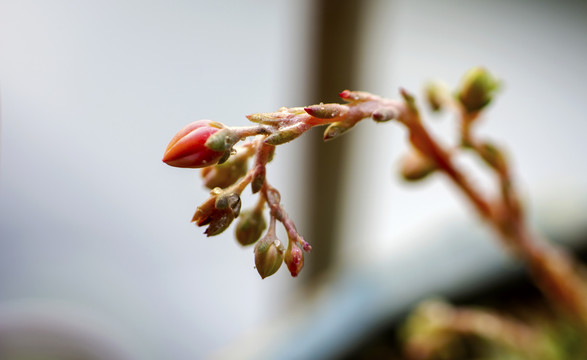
(294,258)
(187,149)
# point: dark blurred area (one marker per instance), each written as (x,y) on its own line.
(514,295)
(335,65)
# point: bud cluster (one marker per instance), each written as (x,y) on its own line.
(225,170)
(215,148)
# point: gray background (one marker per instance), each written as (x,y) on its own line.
(94,229)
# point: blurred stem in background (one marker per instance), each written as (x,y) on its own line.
(338,25)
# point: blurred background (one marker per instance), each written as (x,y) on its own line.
(98,259)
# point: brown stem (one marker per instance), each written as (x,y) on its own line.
(556,273)
(421,139)
(263,154)
(553,272)
(278,212)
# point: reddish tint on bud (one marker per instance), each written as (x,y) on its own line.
(326,111)
(187,149)
(294,258)
(351,96)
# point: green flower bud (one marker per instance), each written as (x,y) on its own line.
(250,226)
(268,255)
(225,174)
(336,129)
(262,118)
(258,178)
(477,89)
(492,156)
(229,201)
(285,135)
(277,117)
(436,94)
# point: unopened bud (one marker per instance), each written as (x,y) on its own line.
(261,118)
(229,201)
(271,154)
(250,226)
(384,114)
(276,117)
(285,135)
(294,258)
(218,211)
(273,196)
(356,96)
(477,89)
(187,148)
(226,174)
(436,94)
(268,255)
(258,178)
(415,166)
(327,111)
(336,129)
(492,156)
(222,140)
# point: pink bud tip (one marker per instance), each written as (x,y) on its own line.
(294,259)
(187,150)
(345,94)
(326,111)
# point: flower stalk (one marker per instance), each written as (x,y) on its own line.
(205,143)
